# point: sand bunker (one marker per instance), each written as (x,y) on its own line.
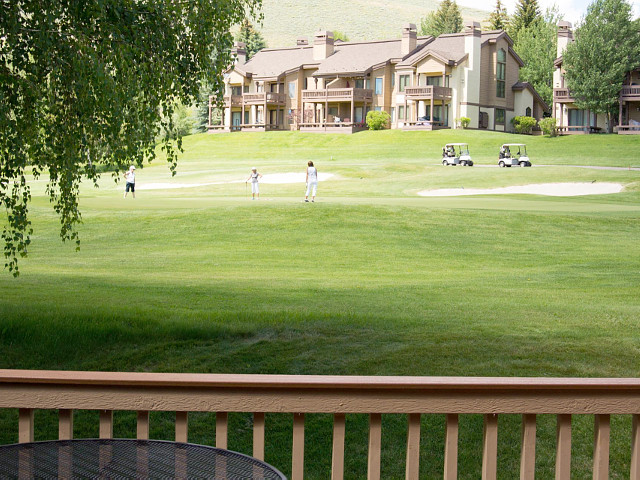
(272,178)
(550,189)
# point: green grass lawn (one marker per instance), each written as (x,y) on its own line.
(370,280)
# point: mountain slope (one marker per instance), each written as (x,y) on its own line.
(287,20)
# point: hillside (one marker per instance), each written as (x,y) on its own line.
(286,20)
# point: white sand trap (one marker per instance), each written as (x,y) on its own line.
(291,177)
(550,189)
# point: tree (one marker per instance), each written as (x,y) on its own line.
(446,19)
(499,19)
(86,87)
(536,46)
(340,35)
(526,14)
(605,49)
(251,37)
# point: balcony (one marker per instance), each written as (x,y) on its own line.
(338,95)
(269,98)
(341,396)
(630,93)
(232,101)
(428,92)
(562,95)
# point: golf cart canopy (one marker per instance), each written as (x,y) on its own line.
(456,144)
(514,145)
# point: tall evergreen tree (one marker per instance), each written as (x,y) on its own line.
(527,12)
(499,19)
(446,19)
(251,37)
(605,49)
(536,46)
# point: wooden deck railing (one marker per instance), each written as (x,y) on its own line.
(338,94)
(630,93)
(562,95)
(412,396)
(432,92)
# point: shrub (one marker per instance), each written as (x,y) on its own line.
(548,126)
(464,121)
(378,120)
(524,124)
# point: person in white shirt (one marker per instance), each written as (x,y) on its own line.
(312,182)
(253,176)
(130,175)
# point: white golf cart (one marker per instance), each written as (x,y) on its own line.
(456,154)
(512,155)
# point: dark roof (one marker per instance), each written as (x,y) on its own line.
(274,62)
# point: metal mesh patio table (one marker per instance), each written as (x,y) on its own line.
(126,459)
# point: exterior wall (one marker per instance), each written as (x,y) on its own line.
(489,77)
(521,100)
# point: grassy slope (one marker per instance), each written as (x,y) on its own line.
(286,20)
(371,280)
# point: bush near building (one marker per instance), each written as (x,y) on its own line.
(378,120)
(524,124)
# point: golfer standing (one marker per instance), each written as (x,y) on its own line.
(312,182)
(253,177)
(130,175)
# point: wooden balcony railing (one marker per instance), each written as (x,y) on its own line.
(429,92)
(270,98)
(106,392)
(338,94)
(630,93)
(232,100)
(562,95)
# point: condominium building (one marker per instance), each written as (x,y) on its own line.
(424,83)
(572,119)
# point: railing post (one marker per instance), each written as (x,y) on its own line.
(182,426)
(337,456)
(490,447)
(258,436)
(563,447)
(106,423)
(375,444)
(25,425)
(601,447)
(65,424)
(451,448)
(413,447)
(635,447)
(297,454)
(528,454)
(221,429)
(142,426)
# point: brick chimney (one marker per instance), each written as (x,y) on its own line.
(409,38)
(565,36)
(322,45)
(302,42)
(239,52)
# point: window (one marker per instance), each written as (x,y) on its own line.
(236,90)
(358,113)
(437,81)
(378,85)
(393,81)
(576,118)
(292,89)
(359,82)
(499,116)
(393,114)
(368,83)
(245,89)
(401,112)
(333,111)
(404,82)
(527,112)
(501,69)
(377,109)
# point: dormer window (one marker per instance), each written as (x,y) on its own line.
(501,69)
